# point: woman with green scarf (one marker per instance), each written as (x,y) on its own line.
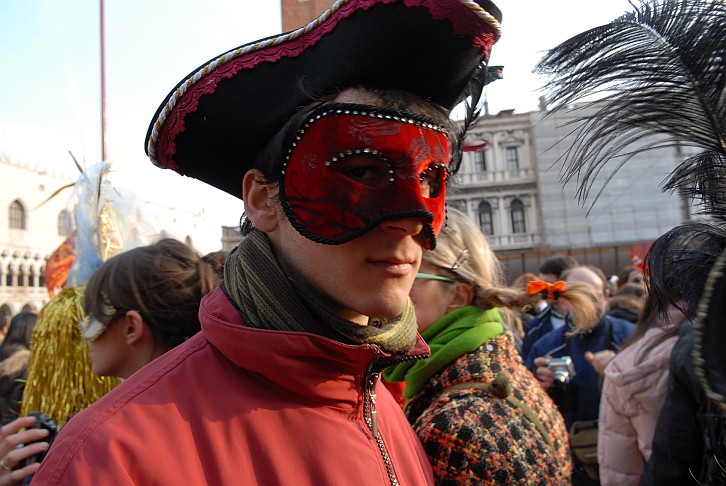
(480,414)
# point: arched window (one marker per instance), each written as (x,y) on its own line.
(485,218)
(21,277)
(9,277)
(31,277)
(41,277)
(518,224)
(16,215)
(64,223)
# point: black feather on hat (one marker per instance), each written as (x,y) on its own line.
(218,118)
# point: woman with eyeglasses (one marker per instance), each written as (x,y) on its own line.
(480,414)
(143,302)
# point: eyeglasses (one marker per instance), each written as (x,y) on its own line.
(426,276)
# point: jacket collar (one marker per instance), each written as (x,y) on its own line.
(306,364)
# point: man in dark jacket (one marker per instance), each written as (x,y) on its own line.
(578,396)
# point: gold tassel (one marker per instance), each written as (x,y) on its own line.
(60,381)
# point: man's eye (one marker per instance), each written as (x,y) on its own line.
(365,170)
(432,181)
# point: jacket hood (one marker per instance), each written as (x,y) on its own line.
(634,380)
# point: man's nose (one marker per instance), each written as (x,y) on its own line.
(403,227)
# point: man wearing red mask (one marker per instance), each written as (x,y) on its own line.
(339,139)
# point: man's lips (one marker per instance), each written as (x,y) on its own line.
(394,266)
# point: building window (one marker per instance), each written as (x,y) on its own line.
(17,215)
(512,158)
(9,277)
(518,225)
(31,277)
(485,218)
(64,223)
(480,161)
(21,277)
(41,277)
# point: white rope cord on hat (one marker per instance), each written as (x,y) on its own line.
(228,56)
(489,18)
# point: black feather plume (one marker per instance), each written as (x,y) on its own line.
(677,265)
(658,78)
(471,98)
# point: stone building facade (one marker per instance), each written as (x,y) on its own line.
(497,185)
(514,190)
(30,230)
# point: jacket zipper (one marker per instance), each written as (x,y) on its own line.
(371,418)
(371,414)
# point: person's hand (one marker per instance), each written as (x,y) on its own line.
(545,375)
(11,455)
(600,360)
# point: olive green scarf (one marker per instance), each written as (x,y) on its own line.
(459,332)
(267,299)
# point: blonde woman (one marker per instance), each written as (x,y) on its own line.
(481,415)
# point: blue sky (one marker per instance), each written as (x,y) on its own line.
(50,81)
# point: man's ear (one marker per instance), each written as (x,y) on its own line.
(134,327)
(257,195)
(462,294)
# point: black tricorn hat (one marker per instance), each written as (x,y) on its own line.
(216,120)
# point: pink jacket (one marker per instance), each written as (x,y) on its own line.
(632,397)
(237,405)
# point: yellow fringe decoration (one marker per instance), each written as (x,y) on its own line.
(60,381)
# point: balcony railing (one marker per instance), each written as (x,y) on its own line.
(513,241)
(498,176)
(36,297)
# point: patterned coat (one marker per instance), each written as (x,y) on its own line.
(506,431)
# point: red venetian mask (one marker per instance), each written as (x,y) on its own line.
(350,169)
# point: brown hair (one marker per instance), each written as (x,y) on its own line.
(649,317)
(524,279)
(164,282)
(19,334)
(557,264)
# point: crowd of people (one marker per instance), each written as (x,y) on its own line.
(485,410)
(362,332)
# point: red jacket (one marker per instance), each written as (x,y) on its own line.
(237,405)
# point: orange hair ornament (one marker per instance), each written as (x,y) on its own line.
(549,291)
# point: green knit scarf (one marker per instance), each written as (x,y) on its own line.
(267,299)
(453,335)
